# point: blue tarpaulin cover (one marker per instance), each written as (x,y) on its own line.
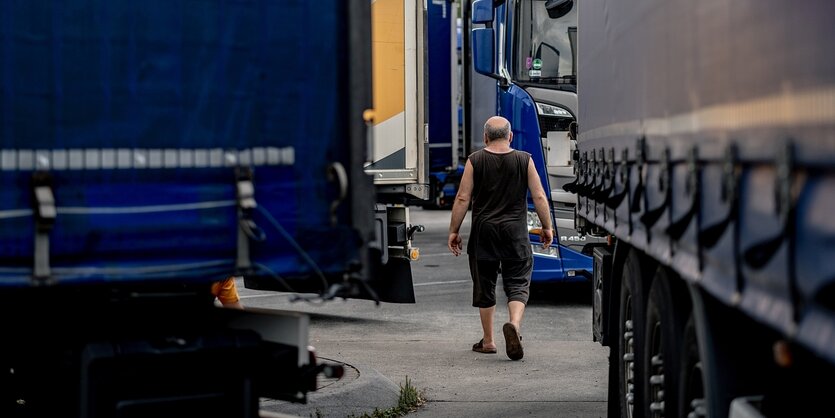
(141,111)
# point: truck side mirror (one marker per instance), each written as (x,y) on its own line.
(572,130)
(483,12)
(484,38)
(558,8)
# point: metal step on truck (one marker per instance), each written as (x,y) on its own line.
(149,149)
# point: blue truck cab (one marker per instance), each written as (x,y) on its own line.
(528,48)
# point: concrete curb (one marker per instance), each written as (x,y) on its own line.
(347,397)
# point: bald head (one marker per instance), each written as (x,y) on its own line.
(495,128)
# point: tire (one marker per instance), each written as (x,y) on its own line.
(691,391)
(629,339)
(666,315)
(727,355)
(613,408)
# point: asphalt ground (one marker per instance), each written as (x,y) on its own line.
(563,373)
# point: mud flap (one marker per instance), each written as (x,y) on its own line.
(392,282)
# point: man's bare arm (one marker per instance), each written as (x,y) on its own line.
(462,199)
(540,203)
(459,208)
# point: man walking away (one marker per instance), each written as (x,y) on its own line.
(497,179)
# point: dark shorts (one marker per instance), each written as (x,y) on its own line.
(516,279)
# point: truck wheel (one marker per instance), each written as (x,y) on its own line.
(613,409)
(630,341)
(665,320)
(727,355)
(691,392)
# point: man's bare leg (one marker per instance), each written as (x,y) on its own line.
(516,310)
(486,315)
(511,330)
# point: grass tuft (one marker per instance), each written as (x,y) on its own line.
(409,401)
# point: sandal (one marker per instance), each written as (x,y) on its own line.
(513,341)
(479,348)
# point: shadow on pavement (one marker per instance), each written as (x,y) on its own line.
(561,294)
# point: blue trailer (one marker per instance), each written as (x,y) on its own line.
(149,149)
(706,153)
(447,152)
(523,55)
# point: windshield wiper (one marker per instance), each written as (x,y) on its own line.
(555,82)
(563,79)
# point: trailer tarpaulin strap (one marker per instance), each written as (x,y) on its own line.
(246,226)
(45,212)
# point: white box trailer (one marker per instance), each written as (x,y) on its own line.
(398,144)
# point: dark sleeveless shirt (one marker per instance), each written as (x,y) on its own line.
(500,206)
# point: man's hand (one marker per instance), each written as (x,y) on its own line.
(545,237)
(454,243)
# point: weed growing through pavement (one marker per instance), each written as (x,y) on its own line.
(410,400)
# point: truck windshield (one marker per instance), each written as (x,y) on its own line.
(545,48)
